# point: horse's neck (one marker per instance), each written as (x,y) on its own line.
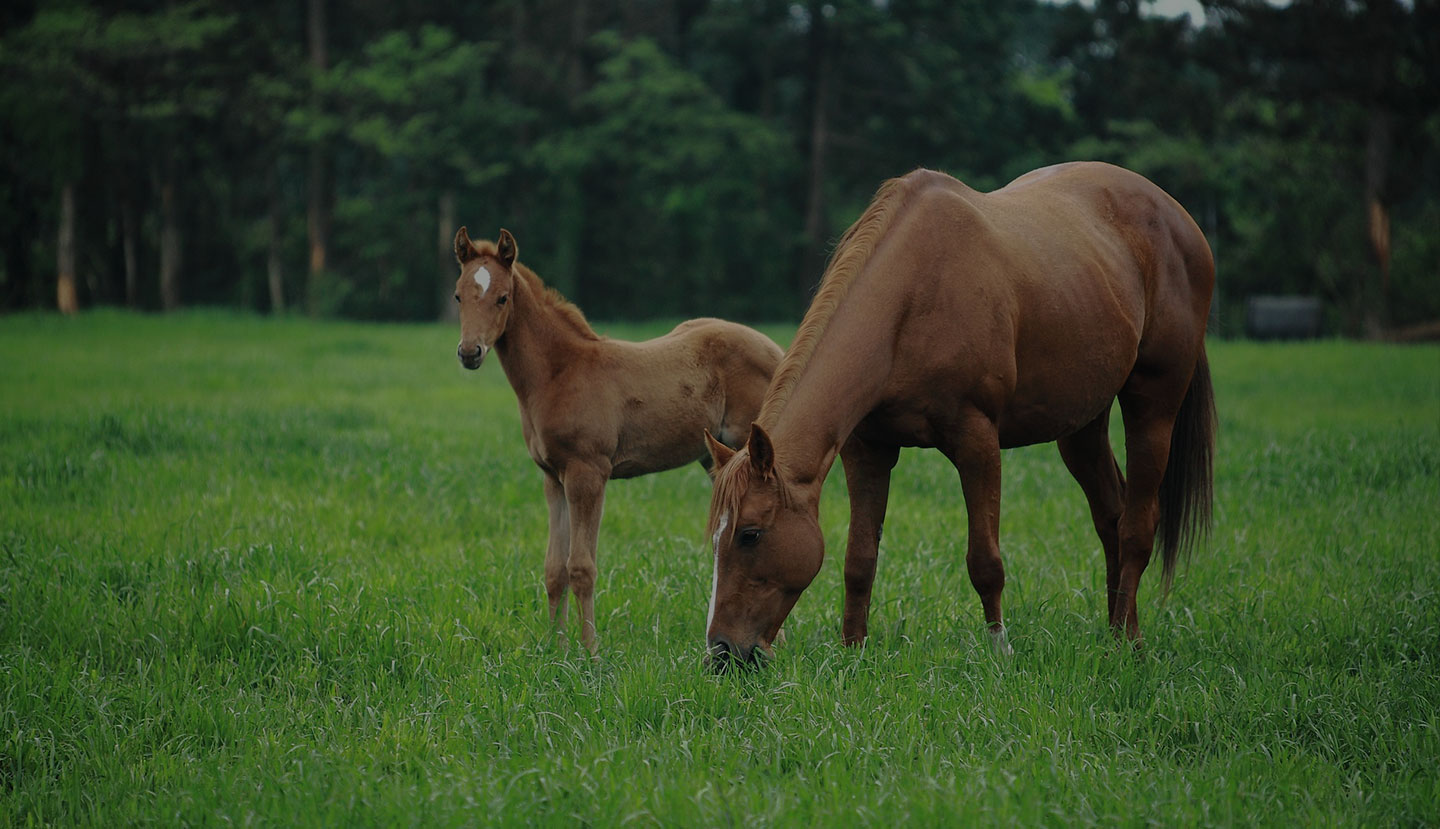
(537,341)
(841,383)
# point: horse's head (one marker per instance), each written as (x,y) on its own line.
(484,289)
(765,535)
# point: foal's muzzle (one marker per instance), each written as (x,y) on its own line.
(473,359)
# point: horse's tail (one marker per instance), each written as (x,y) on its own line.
(1188,488)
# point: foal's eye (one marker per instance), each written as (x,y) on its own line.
(748,537)
(504,298)
(457,297)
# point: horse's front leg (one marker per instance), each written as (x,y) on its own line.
(585,500)
(867,476)
(977,458)
(557,552)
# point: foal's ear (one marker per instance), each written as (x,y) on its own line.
(464,250)
(506,249)
(720,454)
(762,452)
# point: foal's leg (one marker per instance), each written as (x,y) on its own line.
(585,497)
(867,475)
(1088,456)
(557,553)
(1149,406)
(977,457)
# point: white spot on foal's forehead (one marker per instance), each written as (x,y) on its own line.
(482,278)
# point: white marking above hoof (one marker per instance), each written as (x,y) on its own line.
(1000,642)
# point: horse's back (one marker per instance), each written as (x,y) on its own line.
(1092,238)
(1164,242)
(740,362)
(728,345)
(705,373)
(1054,287)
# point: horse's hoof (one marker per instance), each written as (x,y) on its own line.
(1000,643)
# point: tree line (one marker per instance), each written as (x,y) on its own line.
(682,157)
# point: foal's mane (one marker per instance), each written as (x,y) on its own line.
(562,309)
(850,255)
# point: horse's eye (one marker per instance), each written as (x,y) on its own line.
(503,299)
(457,297)
(748,537)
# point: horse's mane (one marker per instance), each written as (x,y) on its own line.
(564,310)
(731,482)
(850,255)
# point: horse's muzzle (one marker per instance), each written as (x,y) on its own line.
(725,655)
(473,359)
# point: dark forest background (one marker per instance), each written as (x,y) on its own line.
(683,157)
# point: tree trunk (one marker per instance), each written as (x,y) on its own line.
(445,270)
(317,223)
(169,245)
(569,216)
(579,31)
(1382,26)
(274,264)
(817,232)
(66,297)
(1377,165)
(318,213)
(128,246)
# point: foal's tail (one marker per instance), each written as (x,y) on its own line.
(1188,488)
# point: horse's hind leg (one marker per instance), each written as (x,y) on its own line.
(867,476)
(1091,462)
(1149,403)
(557,552)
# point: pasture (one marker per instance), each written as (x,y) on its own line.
(280,571)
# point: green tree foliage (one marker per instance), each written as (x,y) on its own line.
(690,180)
(697,157)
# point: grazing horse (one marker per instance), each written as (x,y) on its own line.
(972,322)
(592,408)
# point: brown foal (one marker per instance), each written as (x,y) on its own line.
(593,408)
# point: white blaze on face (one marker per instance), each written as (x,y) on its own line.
(715,574)
(482,278)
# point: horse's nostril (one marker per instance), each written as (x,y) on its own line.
(723,654)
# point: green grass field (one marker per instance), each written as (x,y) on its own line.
(286,572)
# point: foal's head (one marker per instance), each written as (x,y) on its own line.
(487,279)
(767,544)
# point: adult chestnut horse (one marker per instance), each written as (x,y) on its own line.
(972,322)
(592,408)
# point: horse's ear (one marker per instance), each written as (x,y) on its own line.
(506,249)
(762,452)
(720,454)
(464,250)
